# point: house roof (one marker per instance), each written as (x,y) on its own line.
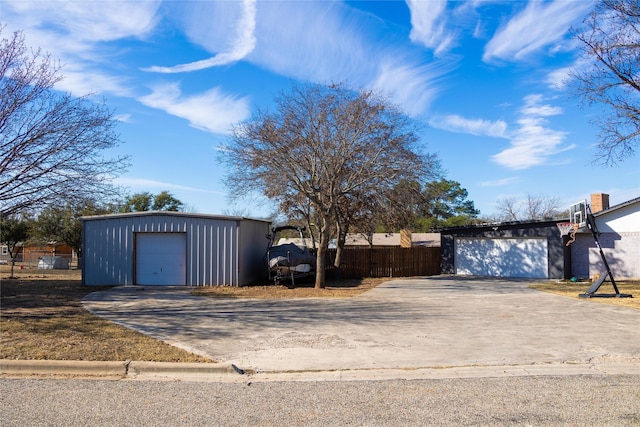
(504,225)
(617,207)
(393,239)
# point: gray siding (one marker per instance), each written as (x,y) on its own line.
(622,251)
(252,248)
(215,252)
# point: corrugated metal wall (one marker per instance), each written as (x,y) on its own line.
(252,249)
(215,251)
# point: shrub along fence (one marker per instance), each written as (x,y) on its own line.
(385,262)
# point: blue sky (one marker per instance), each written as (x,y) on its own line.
(487,79)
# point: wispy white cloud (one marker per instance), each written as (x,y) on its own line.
(123,118)
(561,78)
(428,25)
(243,43)
(533,142)
(409,86)
(81,81)
(74,32)
(331,42)
(558,78)
(212,110)
(499,182)
(151,184)
(317,41)
(479,127)
(533,107)
(538,25)
(85,21)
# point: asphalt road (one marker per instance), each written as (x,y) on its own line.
(541,401)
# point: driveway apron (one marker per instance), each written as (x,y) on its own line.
(432,322)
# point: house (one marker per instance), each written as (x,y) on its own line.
(172,248)
(527,249)
(47,256)
(5,258)
(31,255)
(619,228)
(394,240)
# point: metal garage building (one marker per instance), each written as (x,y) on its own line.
(172,248)
(516,249)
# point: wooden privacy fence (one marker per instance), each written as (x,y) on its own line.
(386,262)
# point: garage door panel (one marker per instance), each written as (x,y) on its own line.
(161,258)
(502,257)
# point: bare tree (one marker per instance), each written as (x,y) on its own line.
(541,207)
(508,209)
(532,207)
(51,143)
(610,38)
(322,145)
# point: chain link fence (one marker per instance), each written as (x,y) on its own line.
(43,260)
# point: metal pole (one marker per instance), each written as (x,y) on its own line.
(604,259)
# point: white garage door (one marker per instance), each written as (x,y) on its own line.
(502,257)
(161,258)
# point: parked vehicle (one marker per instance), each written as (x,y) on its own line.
(289,259)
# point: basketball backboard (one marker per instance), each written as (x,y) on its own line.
(578,213)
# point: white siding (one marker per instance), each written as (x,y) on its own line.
(623,220)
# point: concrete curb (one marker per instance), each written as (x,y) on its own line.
(121,369)
(453,372)
(222,372)
(63,367)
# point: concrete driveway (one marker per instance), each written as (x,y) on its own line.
(437,322)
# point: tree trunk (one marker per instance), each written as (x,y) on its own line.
(320,267)
(322,253)
(340,242)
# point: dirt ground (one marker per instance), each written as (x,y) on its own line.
(304,289)
(332,289)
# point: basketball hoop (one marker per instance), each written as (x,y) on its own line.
(568,229)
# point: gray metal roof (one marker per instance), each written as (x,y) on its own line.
(618,206)
(170,213)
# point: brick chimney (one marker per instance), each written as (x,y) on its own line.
(405,238)
(599,202)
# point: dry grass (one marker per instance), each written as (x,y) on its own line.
(574,289)
(43,318)
(333,289)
